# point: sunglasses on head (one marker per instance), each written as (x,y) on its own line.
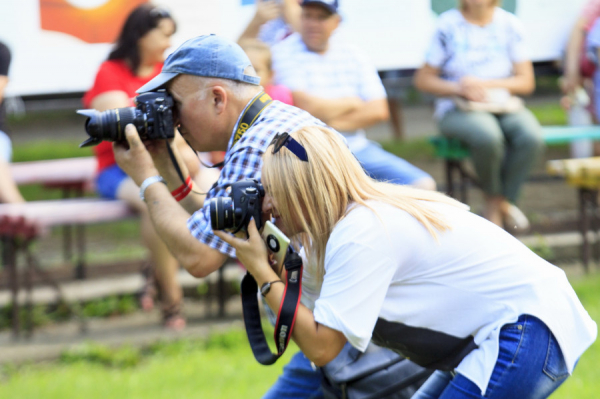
(285,140)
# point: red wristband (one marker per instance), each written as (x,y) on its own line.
(182,191)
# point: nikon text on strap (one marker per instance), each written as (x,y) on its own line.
(287,311)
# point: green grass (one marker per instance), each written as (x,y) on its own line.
(219,367)
(49,149)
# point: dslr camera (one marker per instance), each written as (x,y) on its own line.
(233,213)
(152,116)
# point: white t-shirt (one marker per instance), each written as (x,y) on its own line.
(476,279)
(342,71)
(460,48)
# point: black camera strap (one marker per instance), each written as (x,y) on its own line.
(287,311)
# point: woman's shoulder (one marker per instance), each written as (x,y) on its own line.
(507,18)
(449,18)
(372,215)
(113,65)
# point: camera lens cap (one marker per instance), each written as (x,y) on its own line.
(273,243)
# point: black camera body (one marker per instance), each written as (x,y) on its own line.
(152,116)
(233,213)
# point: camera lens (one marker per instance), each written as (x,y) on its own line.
(110,125)
(221,213)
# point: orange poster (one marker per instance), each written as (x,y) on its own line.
(92,25)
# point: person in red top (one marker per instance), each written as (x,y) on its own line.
(138,57)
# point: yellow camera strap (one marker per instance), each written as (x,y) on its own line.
(256,107)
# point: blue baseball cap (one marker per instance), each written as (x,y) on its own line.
(211,56)
(330,5)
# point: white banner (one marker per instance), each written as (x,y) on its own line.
(57,45)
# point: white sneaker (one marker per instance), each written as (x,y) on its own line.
(515,219)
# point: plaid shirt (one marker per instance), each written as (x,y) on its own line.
(244,161)
(342,71)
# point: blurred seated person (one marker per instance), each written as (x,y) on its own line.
(335,82)
(135,60)
(593,49)
(8,189)
(259,54)
(478,62)
(579,67)
(273,21)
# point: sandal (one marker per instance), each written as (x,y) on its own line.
(148,291)
(173,318)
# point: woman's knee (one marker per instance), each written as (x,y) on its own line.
(480,131)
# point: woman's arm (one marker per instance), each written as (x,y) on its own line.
(428,79)
(319,343)
(291,14)
(522,82)
(572,75)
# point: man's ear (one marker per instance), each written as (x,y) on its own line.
(220,99)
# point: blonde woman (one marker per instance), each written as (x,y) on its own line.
(416,272)
(478,53)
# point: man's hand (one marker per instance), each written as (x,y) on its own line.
(133,157)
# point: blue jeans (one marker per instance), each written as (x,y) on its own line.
(383,166)
(530,365)
(299,381)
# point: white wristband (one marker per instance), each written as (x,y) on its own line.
(148,182)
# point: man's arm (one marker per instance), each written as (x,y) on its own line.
(325,109)
(368,114)
(169,219)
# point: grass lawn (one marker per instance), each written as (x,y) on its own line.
(220,367)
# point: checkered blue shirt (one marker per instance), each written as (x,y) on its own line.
(244,161)
(342,71)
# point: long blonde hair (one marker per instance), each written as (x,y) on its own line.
(314,195)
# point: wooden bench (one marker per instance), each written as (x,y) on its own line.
(73,176)
(22,224)
(454,153)
(584,175)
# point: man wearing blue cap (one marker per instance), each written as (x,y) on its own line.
(220,106)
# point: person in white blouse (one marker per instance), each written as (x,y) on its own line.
(478,55)
(414,271)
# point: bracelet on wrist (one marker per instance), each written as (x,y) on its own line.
(266,287)
(148,182)
(182,191)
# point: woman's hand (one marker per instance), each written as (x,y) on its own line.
(252,253)
(472,89)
